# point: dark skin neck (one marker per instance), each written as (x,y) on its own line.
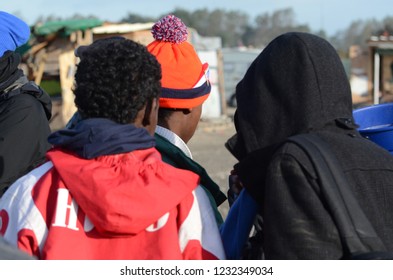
(182,122)
(176,122)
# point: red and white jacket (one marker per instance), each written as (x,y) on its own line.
(125,206)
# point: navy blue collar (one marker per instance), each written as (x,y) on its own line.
(95,137)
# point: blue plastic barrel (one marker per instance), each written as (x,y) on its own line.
(376,123)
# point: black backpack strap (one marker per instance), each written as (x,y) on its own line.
(357,234)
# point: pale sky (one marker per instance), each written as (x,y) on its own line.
(330,15)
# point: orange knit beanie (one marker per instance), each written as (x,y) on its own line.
(185,82)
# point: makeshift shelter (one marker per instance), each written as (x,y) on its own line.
(49,60)
(381,64)
(138,32)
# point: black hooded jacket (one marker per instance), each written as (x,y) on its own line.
(298,85)
(24,127)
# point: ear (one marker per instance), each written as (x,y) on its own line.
(139,119)
(186,111)
(146,114)
(150,116)
(150,113)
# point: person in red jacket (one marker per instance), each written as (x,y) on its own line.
(105,192)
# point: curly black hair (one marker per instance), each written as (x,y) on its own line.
(115,78)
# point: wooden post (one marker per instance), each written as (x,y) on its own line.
(221,86)
(67,62)
(40,71)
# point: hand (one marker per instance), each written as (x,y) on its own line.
(235,186)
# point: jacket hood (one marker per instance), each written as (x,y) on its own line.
(123,194)
(99,136)
(116,176)
(36,91)
(297,84)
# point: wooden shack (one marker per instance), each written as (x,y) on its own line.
(381,68)
(138,32)
(50,61)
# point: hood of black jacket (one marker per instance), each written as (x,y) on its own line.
(297,84)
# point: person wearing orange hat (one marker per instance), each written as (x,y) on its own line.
(185,86)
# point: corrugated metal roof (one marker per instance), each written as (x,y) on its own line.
(122,28)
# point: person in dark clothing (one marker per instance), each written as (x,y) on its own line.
(24,108)
(298,85)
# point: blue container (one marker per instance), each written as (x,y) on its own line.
(376,123)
